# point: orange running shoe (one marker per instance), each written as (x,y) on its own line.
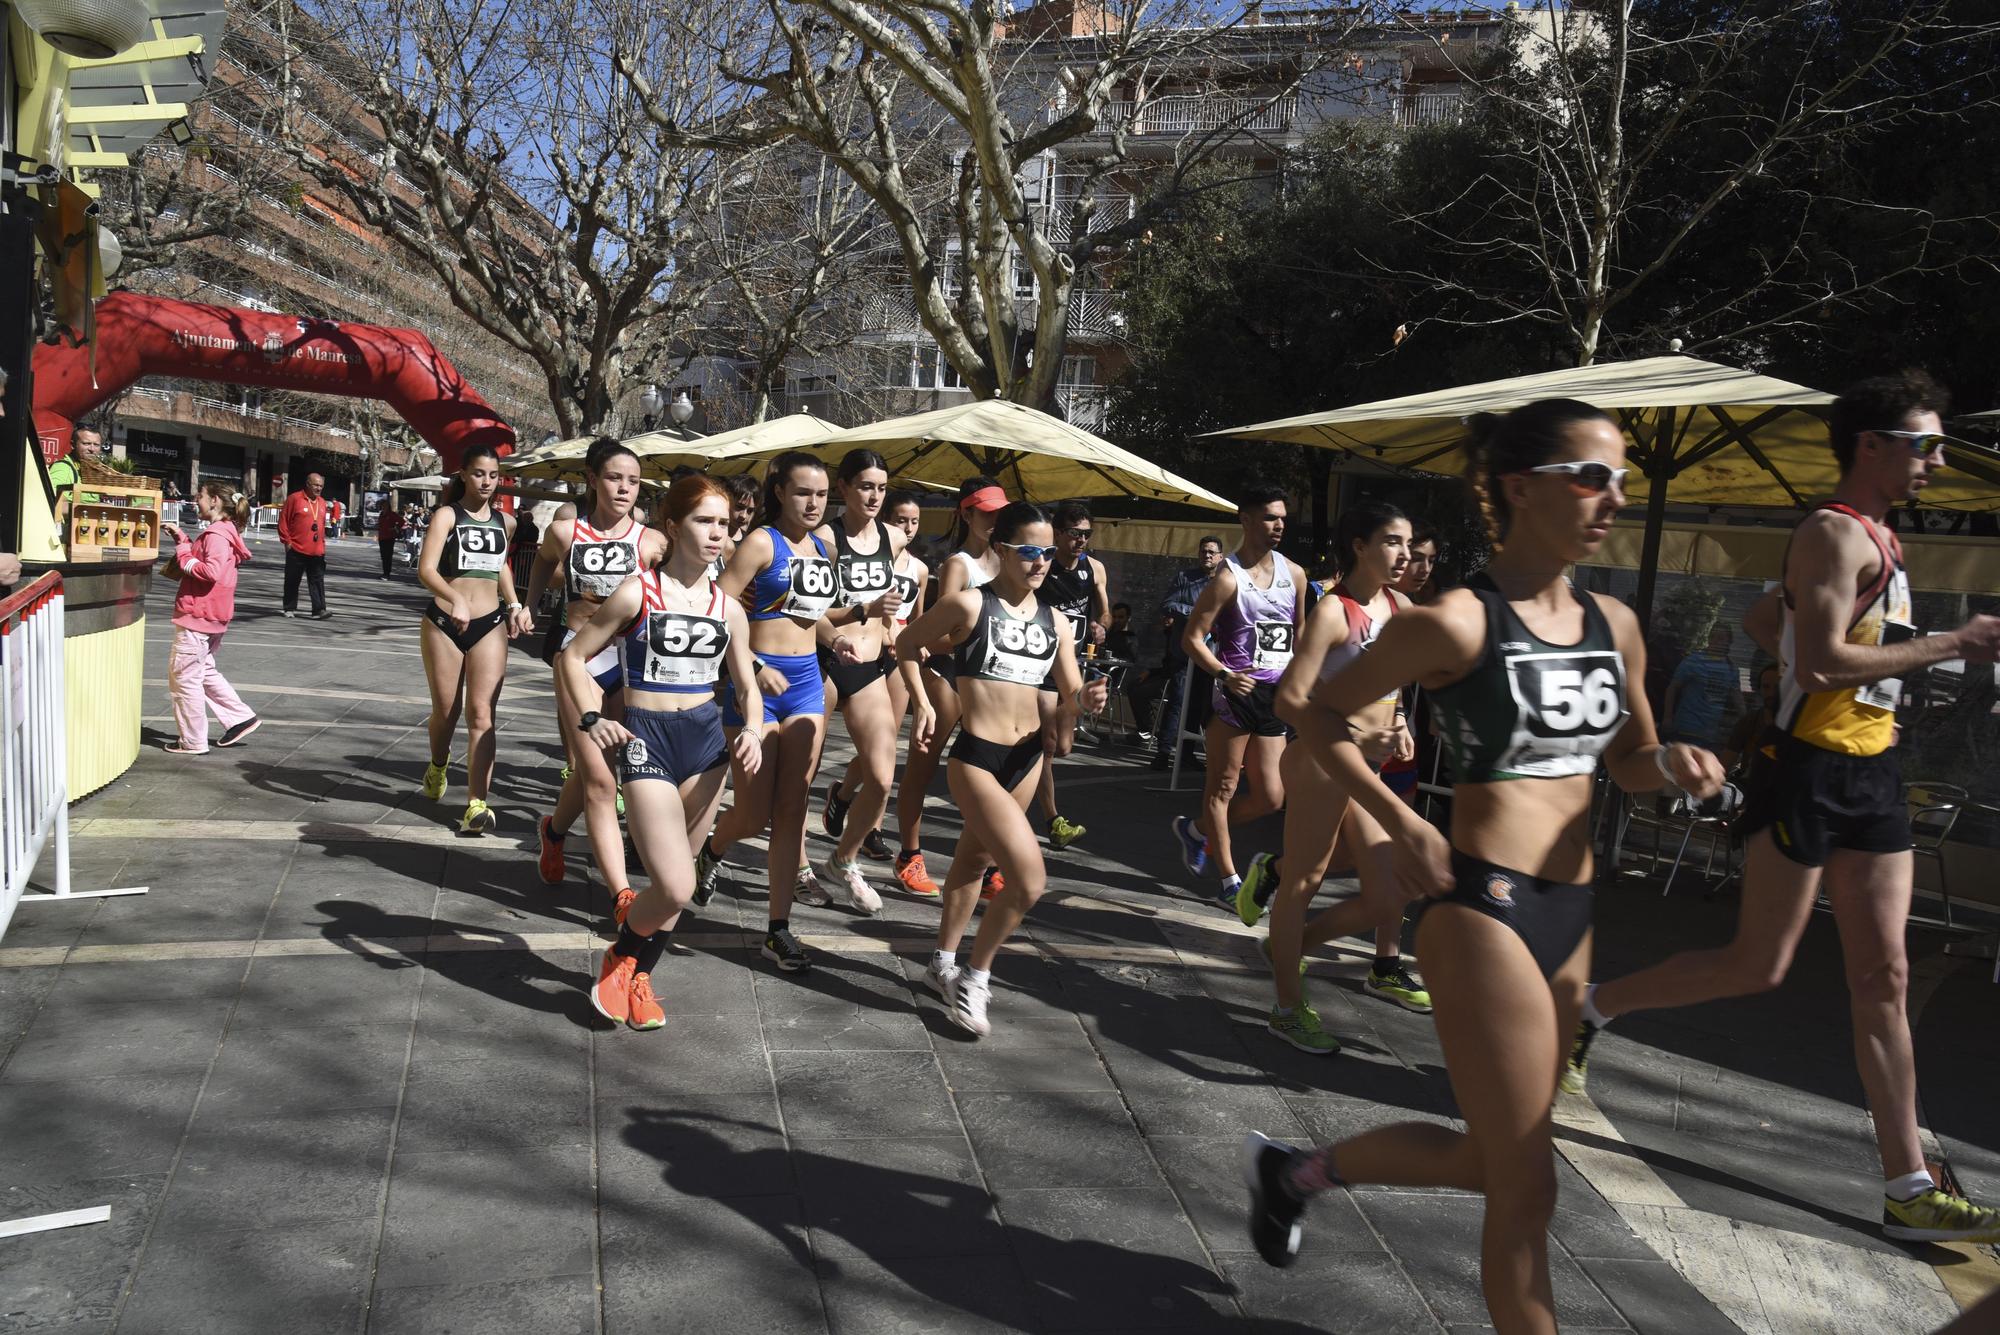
(612,992)
(621,904)
(910,871)
(991,884)
(550,860)
(646,1012)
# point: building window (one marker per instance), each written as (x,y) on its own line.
(1078,372)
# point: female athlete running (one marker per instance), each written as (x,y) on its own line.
(866,551)
(972,563)
(1532,682)
(785,573)
(596,553)
(464,565)
(1004,644)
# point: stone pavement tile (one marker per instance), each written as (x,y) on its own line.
(305,1279)
(22,992)
(966,1295)
(320,991)
(704,982)
(127,1039)
(1436,1237)
(1207,1172)
(55,926)
(560,1306)
(1360,1291)
(864,1094)
(891,1200)
(541,1102)
(359,907)
(1022,1057)
(477,1218)
(70,1279)
(59,1129)
(1183,1092)
(752,1273)
(714,1054)
(191,903)
(1327,1120)
(1590,1227)
(1656,1300)
(663,1141)
(265,1070)
(500,1003)
(1100,1260)
(279,1171)
(1771,1119)
(100,983)
(1067,1139)
(851,1003)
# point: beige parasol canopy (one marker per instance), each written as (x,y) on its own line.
(564,459)
(1034,456)
(1716,434)
(662,451)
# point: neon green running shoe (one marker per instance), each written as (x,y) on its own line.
(621,799)
(434,781)
(1064,832)
(564,774)
(1576,1071)
(478,818)
(1398,985)
(1253,897)
(1933,1216)
(1264,948)
(1301,1030)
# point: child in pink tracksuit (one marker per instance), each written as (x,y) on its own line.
(202,612)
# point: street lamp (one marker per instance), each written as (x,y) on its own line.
(650,403)
(682,408)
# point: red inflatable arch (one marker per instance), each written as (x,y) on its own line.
(141,336)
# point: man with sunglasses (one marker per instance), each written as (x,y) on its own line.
(1828,812)
(1075,588)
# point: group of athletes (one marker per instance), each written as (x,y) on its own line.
(711,642)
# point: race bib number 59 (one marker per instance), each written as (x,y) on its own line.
(1018,651)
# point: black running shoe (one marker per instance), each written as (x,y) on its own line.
(707,873)
(1274,1211)
(874,849)
(783,949)
(833,818)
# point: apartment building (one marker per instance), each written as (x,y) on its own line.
(1260,89)
(297,249)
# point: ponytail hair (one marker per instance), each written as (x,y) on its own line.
(778,474)
(1358,523)
(454,490)
(234,502)
(1513,442)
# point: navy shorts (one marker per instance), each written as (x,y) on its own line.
(805,690)
(1256,713)
(679,743)
(1550,917)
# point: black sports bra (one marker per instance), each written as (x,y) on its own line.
(1006,647)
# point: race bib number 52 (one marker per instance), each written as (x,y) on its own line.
(683,650)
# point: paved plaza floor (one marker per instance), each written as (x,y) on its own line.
(338,1071)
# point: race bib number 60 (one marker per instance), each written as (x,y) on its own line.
(813,587)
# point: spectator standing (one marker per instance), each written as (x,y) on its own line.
(1175,609)
(1701,691)
(302,528)
(204,605)
(388,529)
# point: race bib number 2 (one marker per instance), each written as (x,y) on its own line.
(1274,646)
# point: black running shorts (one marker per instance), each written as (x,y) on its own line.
(1813,801)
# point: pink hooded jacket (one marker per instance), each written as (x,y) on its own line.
(207,597)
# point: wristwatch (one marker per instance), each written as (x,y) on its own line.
(589,721)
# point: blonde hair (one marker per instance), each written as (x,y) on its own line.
(235,502)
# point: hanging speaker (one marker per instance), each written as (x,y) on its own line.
(88,29)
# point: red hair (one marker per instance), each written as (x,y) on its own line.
(683,496)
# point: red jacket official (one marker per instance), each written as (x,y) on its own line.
(302,524)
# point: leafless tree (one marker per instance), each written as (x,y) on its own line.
(947,117)
(1629,143)
(499,141)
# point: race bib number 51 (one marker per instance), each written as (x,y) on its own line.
(480,547)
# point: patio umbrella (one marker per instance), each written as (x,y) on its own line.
(661,451)
(1697,433)
(1034,456)
(564,459)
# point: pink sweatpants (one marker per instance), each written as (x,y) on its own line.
(194,678)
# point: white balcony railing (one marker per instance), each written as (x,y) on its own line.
(1095,312)
(1182,115)
(1085,406)
(1430,107)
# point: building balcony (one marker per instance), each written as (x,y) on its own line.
(1427,107)
(1085,406)
(1181,115)
(182,408)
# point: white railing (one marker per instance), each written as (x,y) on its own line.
(1185,114)
(34,748)
(1085,406)
(1428,108)
(1094,311)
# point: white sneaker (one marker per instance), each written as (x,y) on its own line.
(966,999)
(808,891)
(852,886)
(941,979)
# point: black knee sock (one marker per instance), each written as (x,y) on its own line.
(1268,889)
(651,948)
(708,847)
(557,835)
(629,943)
